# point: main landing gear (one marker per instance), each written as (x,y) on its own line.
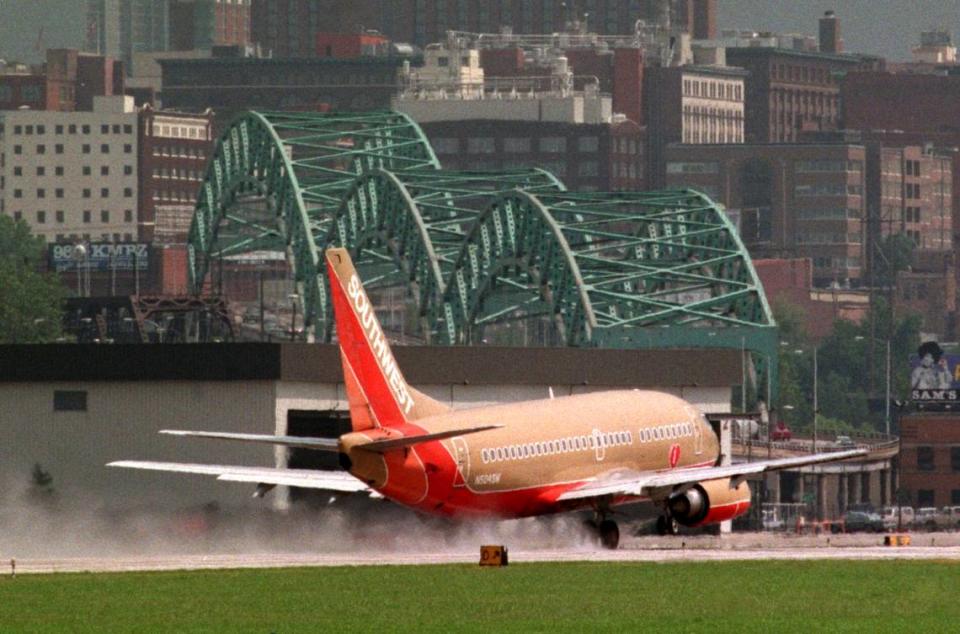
(667,525)
(606,529)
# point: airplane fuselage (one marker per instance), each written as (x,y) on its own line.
(544,448)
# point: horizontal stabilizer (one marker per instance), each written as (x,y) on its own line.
(302,442)
(305,478)
(380,446)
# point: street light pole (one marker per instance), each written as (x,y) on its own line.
(887,415)
(816,406)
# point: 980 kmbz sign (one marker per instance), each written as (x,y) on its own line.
(100,256)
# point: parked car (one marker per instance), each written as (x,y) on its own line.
(949,517)
(861,522)
(781,432)
(926,517)
(845,441)
(890,516)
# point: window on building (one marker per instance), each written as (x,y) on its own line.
(72,129)
(18,193)
(127,128)
(41,149)
(18,129)
(85,148)
(116,128)
(69,400)
(104,215)
(588,144)
(955,458)
(85,129)
(29,129)
(588,168)
(104,170)
(128,170)
(127,148)
(955,497)
(86,215)
(86,192)
(17,215)
(128,192)
(925,497)
(41,170)
(104,148)
(86,170)
(516,145)
(58,129)
(104,192)
(553,144)
(41,217)
(18,149)
(58,148)
(104,129)
(128,215)
(480,145)
(58,192)
(41,193)
(925,459)
(59,215)
(18,171)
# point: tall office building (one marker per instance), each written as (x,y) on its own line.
(203,24)
(120,28)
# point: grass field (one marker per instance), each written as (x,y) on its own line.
(896,596)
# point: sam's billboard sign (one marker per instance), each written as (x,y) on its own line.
(934,375)
(100,256)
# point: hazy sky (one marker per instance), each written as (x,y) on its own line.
(884,27)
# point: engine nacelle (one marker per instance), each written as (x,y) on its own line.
(709,502)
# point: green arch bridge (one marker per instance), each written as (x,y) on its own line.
(478,257)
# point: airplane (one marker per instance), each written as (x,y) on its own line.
(582,452)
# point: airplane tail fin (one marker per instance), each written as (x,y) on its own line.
(376,390)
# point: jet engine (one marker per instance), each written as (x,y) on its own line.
(709,502)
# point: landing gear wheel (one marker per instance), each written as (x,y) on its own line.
(609,534)
(667,525)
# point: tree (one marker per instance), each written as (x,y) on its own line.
(30,301)
(894,254)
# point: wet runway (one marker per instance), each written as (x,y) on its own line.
(648,551)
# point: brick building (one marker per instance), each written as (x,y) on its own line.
(788,91)
(586,157)
(792,200)
(289,27)
(174,148)
(930,458)
(690,105)
(68,81)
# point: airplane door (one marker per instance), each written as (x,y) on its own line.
(697,436)
(462,457)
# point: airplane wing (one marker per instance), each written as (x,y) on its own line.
(635,483)
(304,442)
(306,478)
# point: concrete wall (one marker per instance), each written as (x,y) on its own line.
(121,422)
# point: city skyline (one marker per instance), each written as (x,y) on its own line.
(875,27)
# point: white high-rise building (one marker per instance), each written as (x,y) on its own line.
(72,175)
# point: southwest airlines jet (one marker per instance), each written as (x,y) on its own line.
(582,452)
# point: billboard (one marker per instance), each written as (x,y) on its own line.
(934,374)
(100,256)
